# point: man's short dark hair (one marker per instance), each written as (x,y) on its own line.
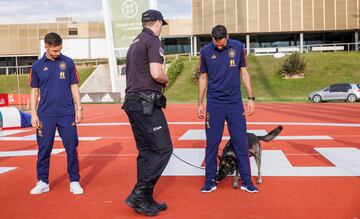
(148,23)
(53,39)
(218,32)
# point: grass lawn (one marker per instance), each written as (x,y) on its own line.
(323,69)
(183,90)
(8,83)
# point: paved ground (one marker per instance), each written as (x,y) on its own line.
(310,171)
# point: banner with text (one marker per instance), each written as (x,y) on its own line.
(126,20)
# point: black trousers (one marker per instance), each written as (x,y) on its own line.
(153,142)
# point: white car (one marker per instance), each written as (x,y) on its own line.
(347,92)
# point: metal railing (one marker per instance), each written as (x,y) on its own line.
(25,69)
(332,47)
(8,70)
(187,56)
(329,47)
(95,62)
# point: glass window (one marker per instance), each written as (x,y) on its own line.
(73,31)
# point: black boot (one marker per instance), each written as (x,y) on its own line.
(138,201)
(160,206)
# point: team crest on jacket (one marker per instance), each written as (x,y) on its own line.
(62,75)
(62,65)
(232,53)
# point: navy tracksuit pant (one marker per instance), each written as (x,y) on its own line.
(45,138)
(216,115)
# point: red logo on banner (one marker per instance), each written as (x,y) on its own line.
(22,99)
(4,100)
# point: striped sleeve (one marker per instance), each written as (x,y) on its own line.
(74,74)
(202,60)
(33,78)
(243,62)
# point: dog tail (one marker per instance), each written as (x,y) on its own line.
(271,135)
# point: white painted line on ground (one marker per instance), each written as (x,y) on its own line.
(84,138)
(346,163)
(193,156)
(33,138)
(249,123)
(304,137)
(102,155)
(11,132)
(199,134)
(27,152)
(274,163)
(306,124)
(346,159)
(104,124)
(6,169)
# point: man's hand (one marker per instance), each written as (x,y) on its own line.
(35,122)
(200,111)
(250,107)
(78,116)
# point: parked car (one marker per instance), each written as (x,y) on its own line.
(347,92)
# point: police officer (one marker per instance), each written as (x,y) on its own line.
(145,78)
(56,77)
(223,62)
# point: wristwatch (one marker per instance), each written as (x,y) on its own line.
(251,98)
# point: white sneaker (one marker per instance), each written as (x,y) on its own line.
(40,188)
(75,188)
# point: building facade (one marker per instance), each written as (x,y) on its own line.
(257,23)
(279,23)
(19,43)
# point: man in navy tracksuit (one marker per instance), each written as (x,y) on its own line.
(222,63)
(56,77)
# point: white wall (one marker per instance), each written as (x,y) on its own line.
(98,48)
(82,48)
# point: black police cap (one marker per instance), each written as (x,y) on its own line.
(219,32)
(152,15)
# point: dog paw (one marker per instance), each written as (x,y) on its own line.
(236,186)
(258,181)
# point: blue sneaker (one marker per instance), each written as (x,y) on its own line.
(210,185)
(249,187)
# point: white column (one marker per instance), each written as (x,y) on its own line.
(195,46)
(247,44)
(301,42)
(110,41)
(356,40)
(191,46)
(89,48)
(153,4)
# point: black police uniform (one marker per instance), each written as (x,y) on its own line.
(143,105)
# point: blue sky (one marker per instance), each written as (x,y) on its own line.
(34,11)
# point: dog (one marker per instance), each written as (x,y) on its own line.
(228,162)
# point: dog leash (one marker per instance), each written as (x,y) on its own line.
(190,164)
